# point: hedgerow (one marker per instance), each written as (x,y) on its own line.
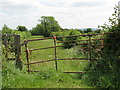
(105,71)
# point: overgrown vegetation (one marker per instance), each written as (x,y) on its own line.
(47,77)
(104,72)
(21,30)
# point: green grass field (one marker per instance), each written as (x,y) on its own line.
(48,77)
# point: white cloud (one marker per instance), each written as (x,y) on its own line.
(69,13)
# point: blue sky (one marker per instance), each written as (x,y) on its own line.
(68,13)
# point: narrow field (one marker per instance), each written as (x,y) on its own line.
(48,54)
(48,77)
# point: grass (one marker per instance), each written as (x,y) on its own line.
(47,77)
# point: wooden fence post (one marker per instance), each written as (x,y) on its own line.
(18,62)
(55,52)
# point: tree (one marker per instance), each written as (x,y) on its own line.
(81,31)
(6,29)
(88,30)
(21,28)
(49,24)
(97,31)
(38,30)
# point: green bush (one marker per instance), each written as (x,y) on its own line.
(7,30)
(105,71)
(73,43)
(23,34)
(68,33)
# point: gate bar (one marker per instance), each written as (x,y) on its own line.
(55,52)
(74,72)
(61,59)
(68,36)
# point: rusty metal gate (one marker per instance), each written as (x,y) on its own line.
(55,59)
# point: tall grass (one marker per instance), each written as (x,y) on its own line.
(47,77)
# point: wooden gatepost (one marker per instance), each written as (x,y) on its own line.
(18,62)
(16,49)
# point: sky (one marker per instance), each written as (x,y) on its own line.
(68,13)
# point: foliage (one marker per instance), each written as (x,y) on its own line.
(105,71)
(6,29)
(47,77)
(38,30)
(71,44)
(98,31)
(60,33)
(68,33)
(87,30)
(23,35)
(21,28)
(47,25)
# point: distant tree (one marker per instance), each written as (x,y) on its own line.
(49,24)
(88,30)
(65,29)
(98,31)
(34,31)
(38,30)
(81,31)
(21,28)
(6,29)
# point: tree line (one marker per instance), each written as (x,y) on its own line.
(46,27)
(48,24)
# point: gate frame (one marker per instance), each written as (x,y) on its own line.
(55,54)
